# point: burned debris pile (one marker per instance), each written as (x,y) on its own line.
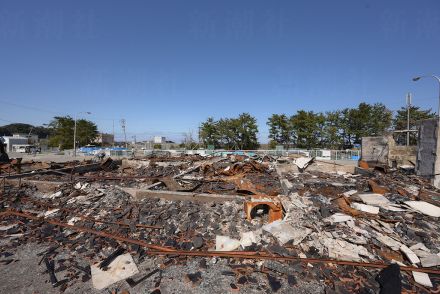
(218,224)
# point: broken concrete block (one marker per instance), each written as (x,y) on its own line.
(284,232)
(224,243)
(338,218)
(412,257)
(119,269)
(365,208)
(422,279)
(430,260)
(424,207)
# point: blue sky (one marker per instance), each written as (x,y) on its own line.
(165,66)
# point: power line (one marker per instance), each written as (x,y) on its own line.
(29,107)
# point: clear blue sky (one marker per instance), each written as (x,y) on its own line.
(165,66)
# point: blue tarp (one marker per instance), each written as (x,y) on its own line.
(95,150)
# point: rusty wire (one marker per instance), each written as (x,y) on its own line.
(161,250)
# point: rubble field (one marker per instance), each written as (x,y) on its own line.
(193,224)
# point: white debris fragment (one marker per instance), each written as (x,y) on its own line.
(420,250)
(73,220)
(422,279)
(419,246)
(393,244)
(343,250)
(430,260)
(225,243)
(78,186)
(424,207)
(50,212)
(54,195)
(7,227)
(365,208)
(338,218)
(284,232)
(303,162)
(248,238)
(119,269)
(412,257)
(393,207)
(349,193)
(379,200)
(374,199)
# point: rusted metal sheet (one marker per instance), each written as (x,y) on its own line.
(375,188)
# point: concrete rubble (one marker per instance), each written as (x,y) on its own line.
(213,224)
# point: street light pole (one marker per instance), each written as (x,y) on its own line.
(74,137)
(74,132)
(438,80)
(408,107)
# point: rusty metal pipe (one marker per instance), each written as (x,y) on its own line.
(86,230)
(160,250)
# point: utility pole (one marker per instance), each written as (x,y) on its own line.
(408,107)
(113,132)
(123,129)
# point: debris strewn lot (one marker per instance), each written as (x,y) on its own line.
(193,224)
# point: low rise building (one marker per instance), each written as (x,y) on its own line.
(159,140)
(105,139)
(15,140)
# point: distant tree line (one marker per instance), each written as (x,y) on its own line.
(230,133)
(339,129)
(59,131)
(19,128)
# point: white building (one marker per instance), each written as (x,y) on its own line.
(15,140)
(159,140)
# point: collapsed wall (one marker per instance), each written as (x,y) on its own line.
(426,148)
(383,150)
